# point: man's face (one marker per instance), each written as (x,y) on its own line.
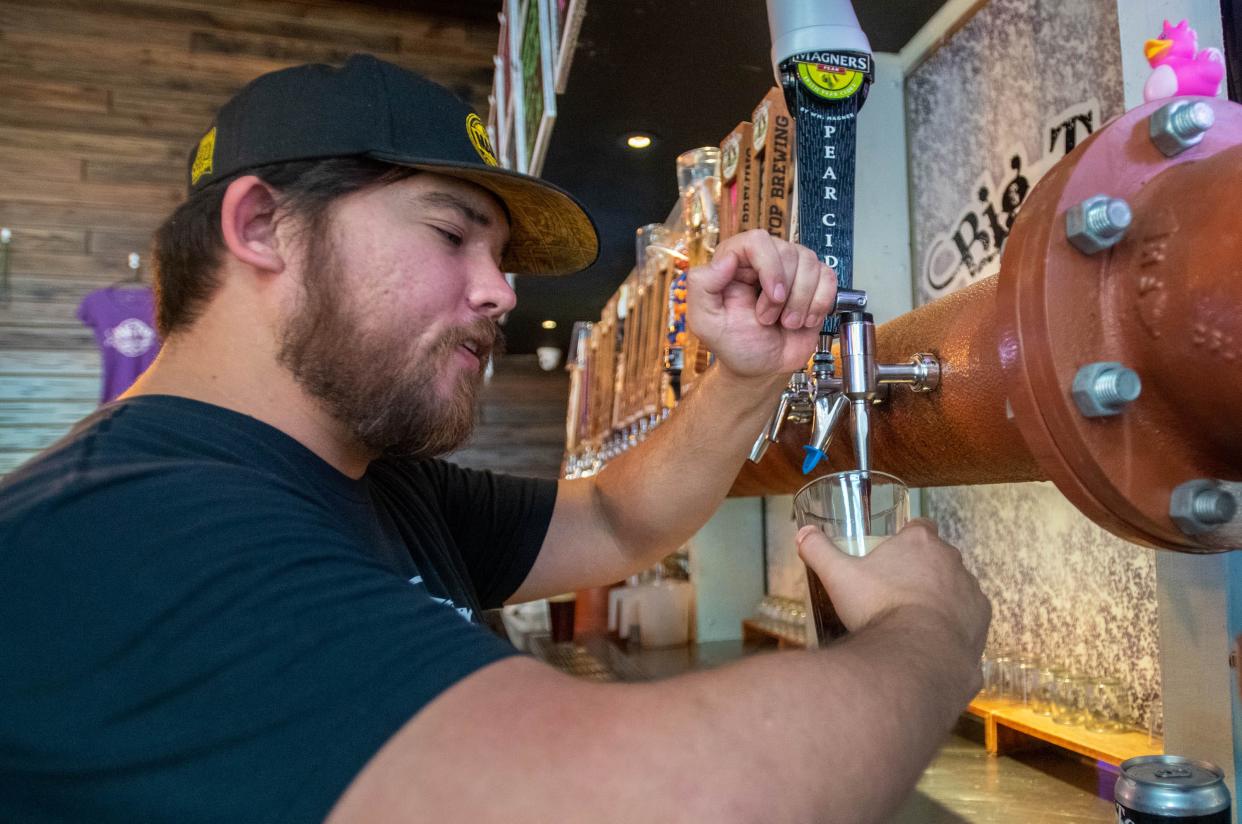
(399,310)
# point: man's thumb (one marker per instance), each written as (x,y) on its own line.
(818,551)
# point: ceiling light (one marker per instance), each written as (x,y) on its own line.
(548,324)
(638,140)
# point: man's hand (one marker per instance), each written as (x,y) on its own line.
(758,306)
(913,570)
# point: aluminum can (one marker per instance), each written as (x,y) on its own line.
(1171,789)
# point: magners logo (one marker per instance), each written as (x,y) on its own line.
(830,82)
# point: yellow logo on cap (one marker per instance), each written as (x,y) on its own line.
(202,158)
(479,139)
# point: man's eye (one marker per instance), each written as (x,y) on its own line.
(449,236)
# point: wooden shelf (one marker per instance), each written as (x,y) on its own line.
(1009,727)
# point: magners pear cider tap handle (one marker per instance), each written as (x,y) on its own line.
(823,63)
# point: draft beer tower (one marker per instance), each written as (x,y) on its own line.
(1104,356)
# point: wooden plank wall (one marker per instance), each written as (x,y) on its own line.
(520,430)
(42,394)
(521,424)
(102,100)
(100,103)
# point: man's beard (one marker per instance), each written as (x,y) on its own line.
(380,388)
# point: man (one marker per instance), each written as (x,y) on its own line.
(248,592)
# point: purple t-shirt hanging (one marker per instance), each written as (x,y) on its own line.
(123,321)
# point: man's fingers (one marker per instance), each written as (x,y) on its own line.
(796,289)
(808,272)
(757,250)
(814,295)
(767,311)
(825,299)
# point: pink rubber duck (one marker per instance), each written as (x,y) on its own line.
(1178,67)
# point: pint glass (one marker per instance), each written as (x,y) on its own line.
(857,510)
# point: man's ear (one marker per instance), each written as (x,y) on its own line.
(247,220)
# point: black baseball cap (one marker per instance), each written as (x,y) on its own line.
(372,108)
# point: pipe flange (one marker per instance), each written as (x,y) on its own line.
(1160,302)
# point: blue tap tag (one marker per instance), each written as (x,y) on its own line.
(813,457)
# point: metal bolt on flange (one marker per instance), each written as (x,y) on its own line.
(1177,126)
(1097,223)
(1105,388)
(1201,505)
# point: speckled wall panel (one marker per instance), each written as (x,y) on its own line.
(1021,79)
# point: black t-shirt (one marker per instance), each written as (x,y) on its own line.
(200,620)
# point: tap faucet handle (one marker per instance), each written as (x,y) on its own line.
(850,300)
(760,447)
(778,418)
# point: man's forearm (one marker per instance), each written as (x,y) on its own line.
(838,735)
(758,306)
(656,496)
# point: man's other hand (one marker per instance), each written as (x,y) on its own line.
(913,570)
(758,306)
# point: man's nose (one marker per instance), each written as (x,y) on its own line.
(490,292)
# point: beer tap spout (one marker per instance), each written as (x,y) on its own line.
(829,410)
(861,418)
